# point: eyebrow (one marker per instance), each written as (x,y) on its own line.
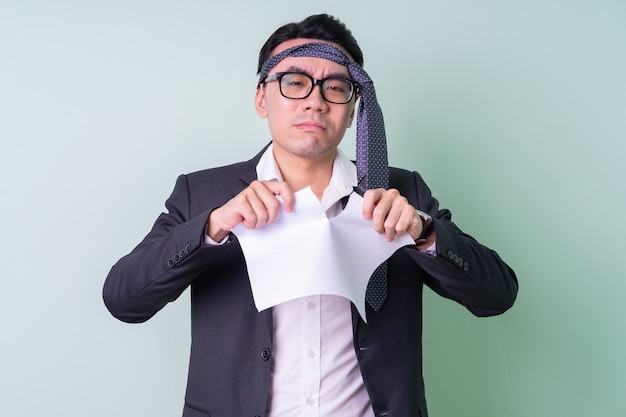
(295,68)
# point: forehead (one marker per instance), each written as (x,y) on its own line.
(308,64)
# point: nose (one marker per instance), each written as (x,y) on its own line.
(315,100)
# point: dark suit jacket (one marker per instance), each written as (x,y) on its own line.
(229,370)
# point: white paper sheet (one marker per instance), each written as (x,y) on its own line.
(305,253)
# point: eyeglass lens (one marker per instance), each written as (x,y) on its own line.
(294,85)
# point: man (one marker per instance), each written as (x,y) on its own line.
(314,355)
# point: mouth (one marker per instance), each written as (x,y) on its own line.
(311,125)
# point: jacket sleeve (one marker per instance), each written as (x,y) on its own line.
(463,270)
(164,264)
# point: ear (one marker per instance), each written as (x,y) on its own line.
(351,116)
(259,101)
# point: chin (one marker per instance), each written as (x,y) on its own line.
(316,150)
(308,147)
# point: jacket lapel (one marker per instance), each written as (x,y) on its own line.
(248,171)
(246,176)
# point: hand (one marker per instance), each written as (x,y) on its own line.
(391,213)
(254,207)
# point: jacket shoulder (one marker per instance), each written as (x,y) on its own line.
(239,171)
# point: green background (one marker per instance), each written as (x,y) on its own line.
(514,112)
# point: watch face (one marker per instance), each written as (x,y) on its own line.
(427,225)
(425,216)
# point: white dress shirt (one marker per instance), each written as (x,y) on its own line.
(315,372)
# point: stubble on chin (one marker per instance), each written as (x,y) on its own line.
(309,147)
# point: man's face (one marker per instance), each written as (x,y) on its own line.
(310,127)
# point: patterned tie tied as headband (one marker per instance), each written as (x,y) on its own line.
(371,143)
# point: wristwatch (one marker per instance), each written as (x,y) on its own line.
(427,226)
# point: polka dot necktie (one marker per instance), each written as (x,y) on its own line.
(371,143)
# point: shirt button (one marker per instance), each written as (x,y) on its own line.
(265,354)
(311,353)
(312,305)
(310,401)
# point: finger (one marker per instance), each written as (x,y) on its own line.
(384,220)
(254,211)
(370,199)
(409,222)
(253,207)
(263,199)
(282,189)
(393,219)
(259,205)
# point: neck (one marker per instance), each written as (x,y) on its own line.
(301,172)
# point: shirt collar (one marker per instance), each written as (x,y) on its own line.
(342,181)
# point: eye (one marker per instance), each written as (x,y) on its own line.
(295,80)
(337,86)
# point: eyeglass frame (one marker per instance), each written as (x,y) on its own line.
(277,76)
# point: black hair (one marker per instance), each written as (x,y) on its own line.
(321,27)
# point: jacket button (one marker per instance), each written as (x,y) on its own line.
(265,354)
(171,263)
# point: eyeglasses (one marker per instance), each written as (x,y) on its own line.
(296,85)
